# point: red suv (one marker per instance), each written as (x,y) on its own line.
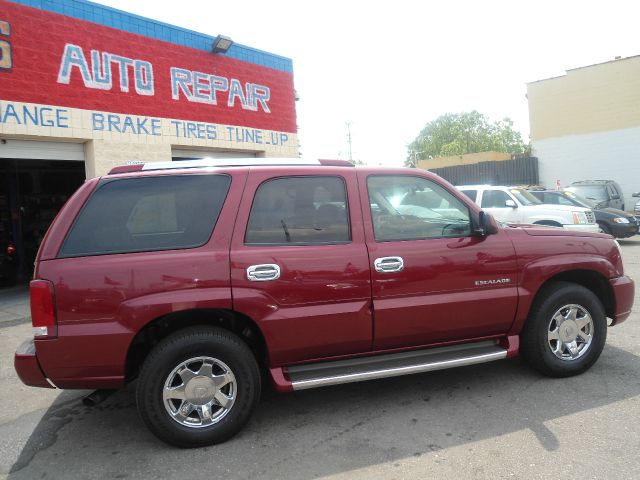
(200,279)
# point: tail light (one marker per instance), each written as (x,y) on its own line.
(43,309)
(11,249)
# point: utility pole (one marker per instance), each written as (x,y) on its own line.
(349,140)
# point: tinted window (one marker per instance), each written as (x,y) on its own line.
(543,197)
(144,214)
(494,199)
(408,208)
(524,197)
(299,210)
(562,200)
(548,198)
(592,192)
(472,194)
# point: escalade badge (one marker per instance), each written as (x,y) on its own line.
(480,283)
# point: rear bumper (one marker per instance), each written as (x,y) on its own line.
(27,367)
(623,291)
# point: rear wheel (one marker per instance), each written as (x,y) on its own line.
(566,330)
(198,387)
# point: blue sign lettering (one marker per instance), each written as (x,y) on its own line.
(35,115)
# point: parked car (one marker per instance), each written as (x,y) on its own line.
(605,193)
(636,207)
(611,220)
(516,205)
(201,278)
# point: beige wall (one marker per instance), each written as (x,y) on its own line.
(105,149)
(590,99)
(466,159)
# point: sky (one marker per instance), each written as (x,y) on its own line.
(388,68)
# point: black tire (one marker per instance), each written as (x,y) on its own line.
(605,228)
(536,346)
(169,354)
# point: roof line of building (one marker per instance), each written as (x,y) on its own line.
(584,66)
(129,22)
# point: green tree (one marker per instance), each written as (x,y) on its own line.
(466,132)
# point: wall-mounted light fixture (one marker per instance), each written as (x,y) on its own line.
(221,44)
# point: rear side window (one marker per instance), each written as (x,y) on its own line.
(299,210)
(494,199)
(146,214)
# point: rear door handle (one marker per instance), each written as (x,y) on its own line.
(264,272)
(388,264)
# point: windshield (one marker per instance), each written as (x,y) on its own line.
(593,192)
(524,197)
(579,199)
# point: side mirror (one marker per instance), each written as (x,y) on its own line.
(510,203)
(615,197)
(485,225)
(636,194)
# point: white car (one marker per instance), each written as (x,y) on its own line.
(516,205)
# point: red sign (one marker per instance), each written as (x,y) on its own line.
(58,60)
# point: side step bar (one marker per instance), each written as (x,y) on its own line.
(322,374)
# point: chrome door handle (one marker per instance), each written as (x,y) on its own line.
(264,272)
(388,264)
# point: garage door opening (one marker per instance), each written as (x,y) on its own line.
(31,194)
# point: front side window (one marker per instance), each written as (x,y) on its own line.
(405,207)
(495,199)
(147,214)
(299,210)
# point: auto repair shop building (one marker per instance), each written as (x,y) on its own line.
(85,87)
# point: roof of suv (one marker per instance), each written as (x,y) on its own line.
(592,182)
(225,162)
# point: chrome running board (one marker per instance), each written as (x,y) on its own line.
(393,364)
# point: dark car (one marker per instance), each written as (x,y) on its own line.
(605,193)
(611,220)
(636,207)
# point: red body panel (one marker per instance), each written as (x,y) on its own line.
(26,364)
(35,72)
(320,306)
(329,301)
(624,290)
(103,301)
(435,298)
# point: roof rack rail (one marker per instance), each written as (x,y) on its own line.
(226,162)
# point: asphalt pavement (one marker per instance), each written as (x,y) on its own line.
(497,420)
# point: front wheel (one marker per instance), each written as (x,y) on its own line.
(198,387)
(566,330)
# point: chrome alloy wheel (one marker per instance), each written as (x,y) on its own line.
(199,392)
(570,332)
